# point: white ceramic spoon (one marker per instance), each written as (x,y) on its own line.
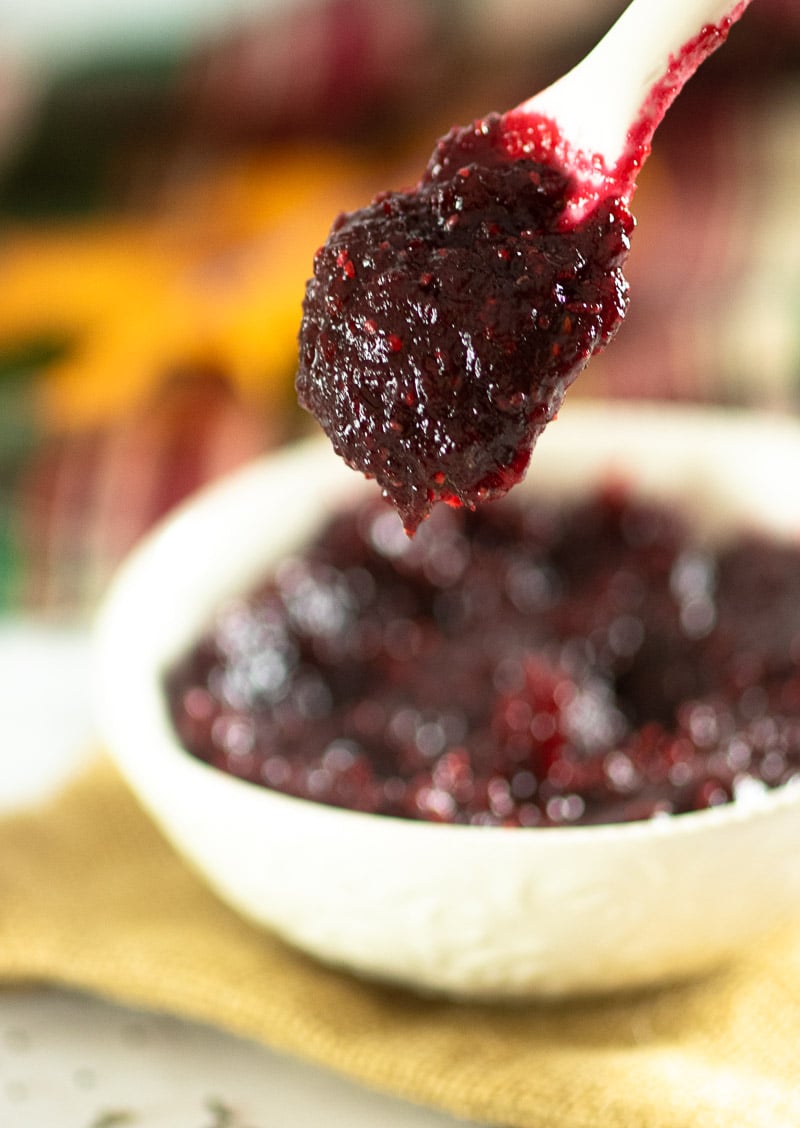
(599,118)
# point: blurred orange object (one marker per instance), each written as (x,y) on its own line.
(180,328)
(215,275)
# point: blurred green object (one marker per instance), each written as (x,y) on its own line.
(89,125)
(20,435)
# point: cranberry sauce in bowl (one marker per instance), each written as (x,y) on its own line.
(539,727)
(524,665)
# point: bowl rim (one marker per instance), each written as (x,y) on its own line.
(130,588)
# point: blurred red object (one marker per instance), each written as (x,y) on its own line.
(318,66)
(88,496)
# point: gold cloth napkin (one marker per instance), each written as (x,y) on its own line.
(92,897)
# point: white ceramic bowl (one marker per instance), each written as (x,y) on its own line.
(469,911)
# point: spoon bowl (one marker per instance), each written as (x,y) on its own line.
(478,912)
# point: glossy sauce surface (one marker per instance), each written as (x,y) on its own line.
(443,325)
(511,666)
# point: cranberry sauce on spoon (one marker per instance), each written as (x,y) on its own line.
(443,325)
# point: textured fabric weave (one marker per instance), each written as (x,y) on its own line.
(92,897)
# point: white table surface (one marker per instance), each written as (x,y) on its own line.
(68,1061)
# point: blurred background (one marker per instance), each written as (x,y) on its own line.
(167,170)
(168,167)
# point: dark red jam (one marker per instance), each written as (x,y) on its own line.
(514,666)
(443,326)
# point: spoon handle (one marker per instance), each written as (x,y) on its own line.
(608,106)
